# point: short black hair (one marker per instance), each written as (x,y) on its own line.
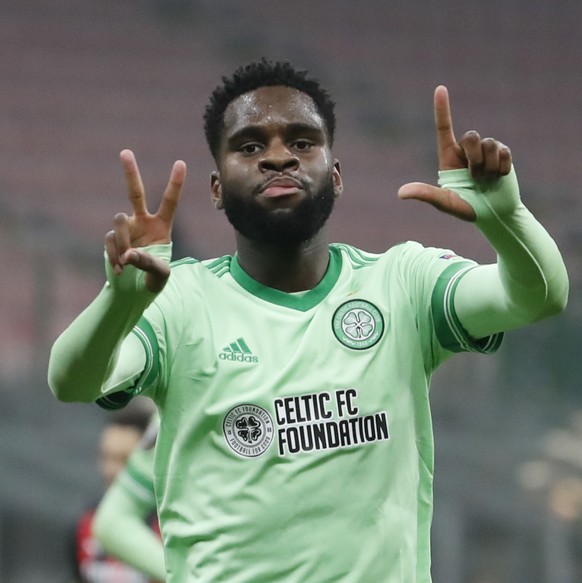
(136,415)
(258,74)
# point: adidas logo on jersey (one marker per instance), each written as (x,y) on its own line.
(238,351)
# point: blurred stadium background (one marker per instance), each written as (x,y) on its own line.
(80,80)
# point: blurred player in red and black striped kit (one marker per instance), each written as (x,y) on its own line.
(119,437)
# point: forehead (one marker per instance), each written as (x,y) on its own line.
(276,106)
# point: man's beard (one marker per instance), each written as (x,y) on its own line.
(282,229)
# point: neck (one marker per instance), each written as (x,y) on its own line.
(288,269)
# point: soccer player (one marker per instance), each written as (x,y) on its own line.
(292,377)
(124,523)
(92,563)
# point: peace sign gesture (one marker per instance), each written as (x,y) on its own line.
(123,243)
(487,160)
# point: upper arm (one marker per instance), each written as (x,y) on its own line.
(130,364)
(487,302)
(129,367)
(432,277)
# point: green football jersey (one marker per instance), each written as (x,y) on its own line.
(136,479)
(296,442)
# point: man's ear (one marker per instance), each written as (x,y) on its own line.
(338,185)
(216,190)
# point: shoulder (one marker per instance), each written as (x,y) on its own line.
(354,257)
(413,252)
(357,258)
(189,274)
(406,260)
(190,280)
(190,267)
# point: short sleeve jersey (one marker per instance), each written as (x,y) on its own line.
(296,441)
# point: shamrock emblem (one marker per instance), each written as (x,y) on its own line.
(358,324)
(248,429)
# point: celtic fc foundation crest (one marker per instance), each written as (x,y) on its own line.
(358,324)
(248,430)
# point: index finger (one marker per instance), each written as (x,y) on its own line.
(169,203)
(444,122)
(135,189)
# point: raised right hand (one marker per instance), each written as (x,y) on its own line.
(123,243)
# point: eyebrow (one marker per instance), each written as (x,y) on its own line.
(292,128)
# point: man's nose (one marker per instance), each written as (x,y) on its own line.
(278,157)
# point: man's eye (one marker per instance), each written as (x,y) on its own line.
(302,145)
(249,148)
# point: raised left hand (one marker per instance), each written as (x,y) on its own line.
(486,158)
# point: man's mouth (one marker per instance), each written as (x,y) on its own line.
(280,187)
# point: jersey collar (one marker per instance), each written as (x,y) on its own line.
(302,302)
